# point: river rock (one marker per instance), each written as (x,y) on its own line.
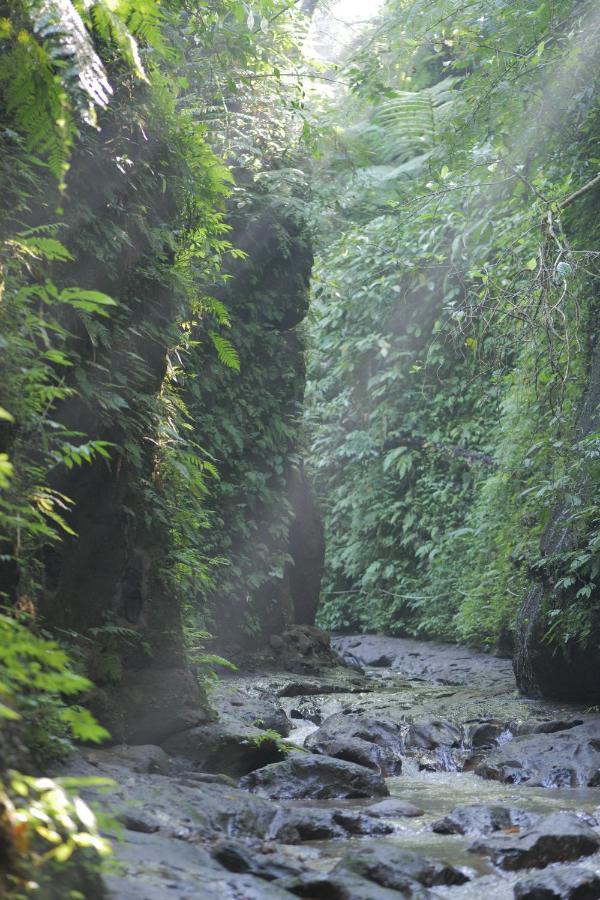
(226,748)
(374,743)
(478,818)
(398,869)
(559,837)
(314,776)
(296,824)
(348,886)
(394,809)
(568,758)
(270,865)
(560,883)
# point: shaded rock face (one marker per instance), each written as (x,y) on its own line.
(572,672)
(559,837)
(560,884)
(477,818)
(226,748)
(568,758)
(315,777)
(307,549)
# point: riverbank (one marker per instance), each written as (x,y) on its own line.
(403,769)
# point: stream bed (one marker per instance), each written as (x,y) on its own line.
(426,776)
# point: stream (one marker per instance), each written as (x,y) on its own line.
(486,794)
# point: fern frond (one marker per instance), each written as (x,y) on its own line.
(226,352)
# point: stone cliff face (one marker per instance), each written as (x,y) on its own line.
(572,671)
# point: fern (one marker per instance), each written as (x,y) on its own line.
(226,352)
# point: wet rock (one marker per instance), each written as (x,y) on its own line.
(432,734)
(226,748)
(560,759)
(374,743)
(237,857)
(398,869)
(238,701)
(394,809)
(314,776)
(483,735)
(435,662)
(141,758)
(478,818)
(559,837)
(560,883)
(154,868)
(298,824)
(348,886)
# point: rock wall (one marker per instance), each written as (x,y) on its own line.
(572,671)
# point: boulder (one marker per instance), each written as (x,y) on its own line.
(348,886)
(560,883)
(559,837)
(317,777)
(478,818)
(226,748)
(567,758)
(374,743)
(394,809)
(296,824)
(398,869)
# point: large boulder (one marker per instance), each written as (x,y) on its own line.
(293,825)
(560,883)
(559,837)
(568,758)
(308,775)
(374,743)
(398,869)
(479,818)
(227,748)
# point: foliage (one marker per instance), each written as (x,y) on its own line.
(44,822)
(453,309)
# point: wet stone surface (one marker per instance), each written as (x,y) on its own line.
(426,775)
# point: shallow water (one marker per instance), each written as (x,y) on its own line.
(437,793)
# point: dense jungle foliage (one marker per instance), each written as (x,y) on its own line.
(146,151)
(167,171)
(455,316)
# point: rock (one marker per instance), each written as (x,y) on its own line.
(141,758)
(432,734)
(559,837)
(348,886)
(226,748)
(150,704)
(297,824)
(435,662)
(237,701)
(478,818)
(398,869)
(394,809)
(374,743)
(156,868)
(483,735)
(560,759)
(306,545)
(314,776)
(237,857)
(560,883)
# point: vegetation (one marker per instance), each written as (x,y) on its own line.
(168,172)
(455,304)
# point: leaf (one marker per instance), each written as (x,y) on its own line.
(226,352)
(5,416)
(532,264)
